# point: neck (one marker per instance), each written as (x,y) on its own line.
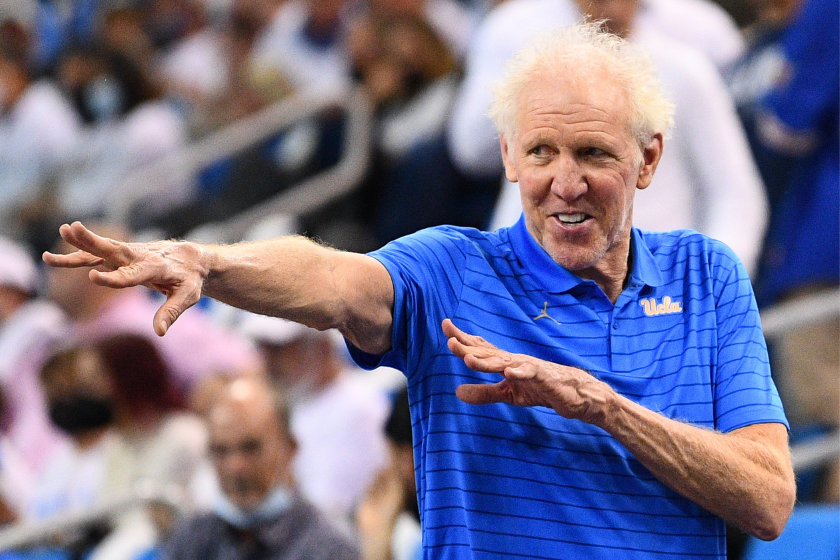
(612,272)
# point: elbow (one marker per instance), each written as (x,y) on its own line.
(771,523)
(769,530)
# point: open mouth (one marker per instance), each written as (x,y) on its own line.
(572,219)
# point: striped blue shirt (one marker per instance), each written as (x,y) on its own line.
(500,481)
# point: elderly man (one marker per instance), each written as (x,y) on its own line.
(258,514)
(645,410)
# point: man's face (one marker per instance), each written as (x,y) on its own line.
(578,166)
(250,452)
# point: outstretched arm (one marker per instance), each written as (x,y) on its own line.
(744,476)
(290,277)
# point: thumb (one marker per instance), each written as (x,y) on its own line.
(480,393)
(178,302)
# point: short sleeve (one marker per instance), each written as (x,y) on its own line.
(427,270)
(744,390)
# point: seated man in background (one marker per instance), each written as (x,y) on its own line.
(336,412)
(258,513)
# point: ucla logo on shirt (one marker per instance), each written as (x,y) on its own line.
(652,309)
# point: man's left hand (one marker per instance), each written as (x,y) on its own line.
(528,381)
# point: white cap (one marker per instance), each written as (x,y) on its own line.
(272,330)
(17,267)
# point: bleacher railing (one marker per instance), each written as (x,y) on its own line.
(786,317)
(308,196)
(22,536)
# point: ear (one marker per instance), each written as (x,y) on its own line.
(651,154)
(507,157)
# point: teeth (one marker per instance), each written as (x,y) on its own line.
(571,218)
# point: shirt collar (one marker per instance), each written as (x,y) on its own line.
(645,270)
(555,279)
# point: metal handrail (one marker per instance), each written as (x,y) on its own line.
(787,316)
(815,453)
(784,317)
(180,166)
(315,192)
(29,534)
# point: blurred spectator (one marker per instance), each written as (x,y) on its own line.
(124,32)
(303,44)
(28,324)
(128,121)
(337,414)
(116,403)
(389,519)
(451,20)
(258,513)
(77,394)
(788,90)
(706,180)
(59,23)
(197,349)
(788,98)
(703,24)
(38,132)
(196,67)
(411,77)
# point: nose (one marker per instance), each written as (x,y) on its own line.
(568,180)
(235,464)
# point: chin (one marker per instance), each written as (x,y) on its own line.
(245,502)
(575,259)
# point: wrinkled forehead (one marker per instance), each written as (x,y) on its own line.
(586,92)
(233,423)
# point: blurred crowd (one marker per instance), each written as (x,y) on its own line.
(264,431)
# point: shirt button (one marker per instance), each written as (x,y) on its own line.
(615,325)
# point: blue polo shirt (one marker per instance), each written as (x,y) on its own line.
(500,481)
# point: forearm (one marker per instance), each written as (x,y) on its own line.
(744,476)
(287,277)
(297,279)
(737,476)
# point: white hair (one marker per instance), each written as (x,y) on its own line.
(586,47)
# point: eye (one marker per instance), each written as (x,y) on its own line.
(218,451)
(592,151)
(251,447)
(540,151)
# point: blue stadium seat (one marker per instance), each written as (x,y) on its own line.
(812,533)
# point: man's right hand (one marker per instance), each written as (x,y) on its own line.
(175,268)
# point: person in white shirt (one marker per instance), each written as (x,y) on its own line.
(38,133)
(28,324)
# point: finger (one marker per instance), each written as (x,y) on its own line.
(179,301)
(71,260)
(453,332)
(462,350)
(124,276)
(494,363)
(82,238)
(472,393)
(525,370)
